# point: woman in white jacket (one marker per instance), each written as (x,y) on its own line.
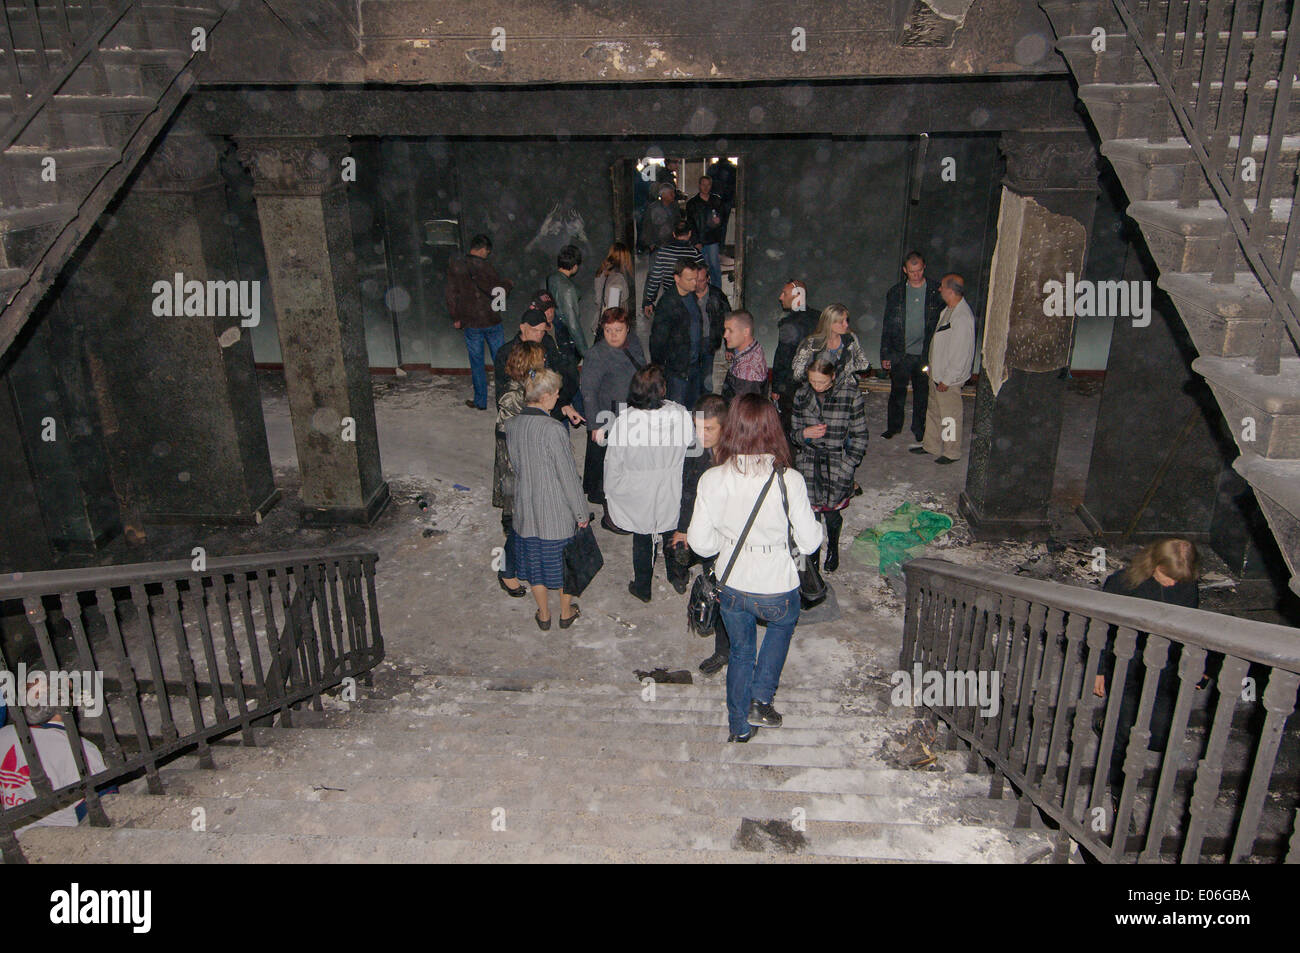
(764,581)
(645,449)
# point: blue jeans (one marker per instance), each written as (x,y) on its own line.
(747,679)
(710,255)
(688,390)
(494,337)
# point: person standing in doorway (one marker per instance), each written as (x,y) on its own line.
(658,220)
(952,357)
(476,298)
(707,215)
(911,313)
(569,334)
(679,248)
(677,340)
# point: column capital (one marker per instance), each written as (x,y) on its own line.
(1049,161)
(181,162)
(293,165)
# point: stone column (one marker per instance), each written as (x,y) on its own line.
(171,366)
(302,205)
(1048,201)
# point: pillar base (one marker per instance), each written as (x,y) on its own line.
(984,527)
(334,515)
(251,517)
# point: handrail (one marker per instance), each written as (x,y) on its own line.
(1276,281)
(1181,760)
(186,658)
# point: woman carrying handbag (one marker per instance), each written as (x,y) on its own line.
(739,516)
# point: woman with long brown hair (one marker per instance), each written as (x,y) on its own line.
(613,283)
(525,358)
(754,476)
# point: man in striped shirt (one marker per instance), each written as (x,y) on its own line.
(665,261)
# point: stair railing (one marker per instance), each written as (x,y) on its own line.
(1263,39)
(32,89)
(1216,790)
(185,657)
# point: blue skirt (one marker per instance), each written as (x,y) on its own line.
(539,562)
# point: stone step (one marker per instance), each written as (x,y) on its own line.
(125,72)
(75,172)
(26,232)
(66,845)
(707,688)
(82,121)
(381,731)
(1154,171)
(834,728)
(964,799)
(1272,402)
(166,26)
(244,769)
(1125,110)
(1224,320)
(431,823)
(1277,488)
(545,741)
(1108,66)
(1187,239)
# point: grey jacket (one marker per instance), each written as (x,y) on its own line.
(606,373)
(548,501)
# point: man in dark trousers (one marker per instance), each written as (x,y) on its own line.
(707,215)
(911,313)
(678,342)
(476,298)
(797,323)
(533,326)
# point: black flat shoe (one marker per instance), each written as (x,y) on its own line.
(945,460)
(714,664)
(565,623)
(890,434)
(832,561)
(544,626)
(681,584)
(631,587)
(607,523)
(515,593)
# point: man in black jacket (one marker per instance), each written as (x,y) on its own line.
(911,313)
(678,340)
(533,326)
(798,322)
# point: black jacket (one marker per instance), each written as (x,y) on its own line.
(707,218)
(556,360)
(893,340)
(692,469)
(790,330)
(1179,594)
(670,336)
(715,307)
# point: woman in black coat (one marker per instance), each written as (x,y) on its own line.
(607,371)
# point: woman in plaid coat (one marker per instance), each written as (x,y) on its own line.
(829,426)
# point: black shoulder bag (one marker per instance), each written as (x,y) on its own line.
(702,607)
(812,587)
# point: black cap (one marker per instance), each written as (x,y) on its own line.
(533,317)
(542,301)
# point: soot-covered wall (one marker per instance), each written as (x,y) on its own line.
(838,213)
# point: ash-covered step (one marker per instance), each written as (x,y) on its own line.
(501,822)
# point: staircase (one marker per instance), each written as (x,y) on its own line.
(90,86)
(474,769)
(1237,298)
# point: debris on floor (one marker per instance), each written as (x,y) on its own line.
(913,748)
(679,677)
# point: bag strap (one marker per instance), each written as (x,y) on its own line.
(789,526)
(753,514)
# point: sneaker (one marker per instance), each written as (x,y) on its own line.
(714,664)
(740,739)
(763,714)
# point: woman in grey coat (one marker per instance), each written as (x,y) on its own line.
(547,502)
(606,373)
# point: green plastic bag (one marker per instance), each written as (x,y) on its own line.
(899,537)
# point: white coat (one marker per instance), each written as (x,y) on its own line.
(643,467)
(952,350)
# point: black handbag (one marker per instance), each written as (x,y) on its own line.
(582,559)
(702,607)
(812,587)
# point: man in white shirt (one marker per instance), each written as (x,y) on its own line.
(952,356)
